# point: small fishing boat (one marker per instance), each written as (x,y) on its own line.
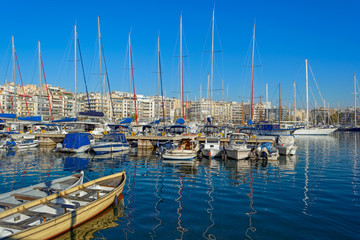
(21,196)
(211,147)
(114,142)
(186,150)
(55,214)
(237,148)
(75,143)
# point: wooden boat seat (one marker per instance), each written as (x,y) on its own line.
(8,205)
(111,182)
(49,190)
(25,197)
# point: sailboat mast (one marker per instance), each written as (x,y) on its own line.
(280,105)
(75,70)
(307,93)
(39,102)
(294,101)
(181,70)
(355,97)
(252,75)
(13,55)
(129,66)
(132,74)
(158,79)
(101,80)
(212,60)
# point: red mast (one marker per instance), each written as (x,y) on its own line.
(47,91)
(22,85)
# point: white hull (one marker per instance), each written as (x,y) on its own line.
(33,144)
(314,131)
(211,152)
(101,148)
(74,150)
(287,150)
(238,154)
(179,155)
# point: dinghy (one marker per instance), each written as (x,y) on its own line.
(55,214)
(21,196)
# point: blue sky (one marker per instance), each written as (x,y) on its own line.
(287,32)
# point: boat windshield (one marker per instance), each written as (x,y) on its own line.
(113,138)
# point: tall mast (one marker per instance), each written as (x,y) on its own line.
(307,93)
(294,101)
(129,66)
(181,70)
(355,96)
(208,93)
(101,79)
(158,79)
(132,74)
(75,40)
(266,109)
(13,55)
(39,102)
(280,105)
(212,60)
(252,74)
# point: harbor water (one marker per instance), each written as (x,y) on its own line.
(314,195)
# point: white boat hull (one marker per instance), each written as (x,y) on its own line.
(212,152)
(178,156)
(238,154)
(287,150)
(75,150)
(314,131)
(102,148)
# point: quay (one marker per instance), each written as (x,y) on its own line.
(143,141)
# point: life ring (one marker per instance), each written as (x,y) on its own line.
(220,134)
(105,132)
(253,137)
(163,133)
(132,134)
(150,133)
(199,134)
(21,132)
(91,132)
(43,131)
(30,131)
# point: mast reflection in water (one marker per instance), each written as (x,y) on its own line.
(312,195)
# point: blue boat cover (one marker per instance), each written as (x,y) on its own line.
(267,145)
(67,119)
(7,115)
(155,122)
(250,122)
(180,121)
(92,114)
(126,120)
(31,118)
(76,140)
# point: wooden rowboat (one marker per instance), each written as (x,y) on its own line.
(55,214)
(23,195)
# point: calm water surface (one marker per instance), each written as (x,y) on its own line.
(314,195)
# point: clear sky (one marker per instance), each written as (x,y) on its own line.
(287,32)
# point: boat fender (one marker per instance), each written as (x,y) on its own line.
(91,132)
(43,131)
(116,200)
(21,132)
(30,131)
(163,133)
(132,134)
(105,132)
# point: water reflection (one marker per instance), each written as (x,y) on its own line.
(182,166)
(105,220)
(210,209)
(180,228)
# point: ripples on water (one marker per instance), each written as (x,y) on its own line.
(313,195)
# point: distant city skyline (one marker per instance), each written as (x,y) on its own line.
(287,33)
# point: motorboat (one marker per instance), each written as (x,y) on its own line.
(114,142)
(238,148)
(75,143)
(264,151)
(186,150)
(286,145)
(212,147)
